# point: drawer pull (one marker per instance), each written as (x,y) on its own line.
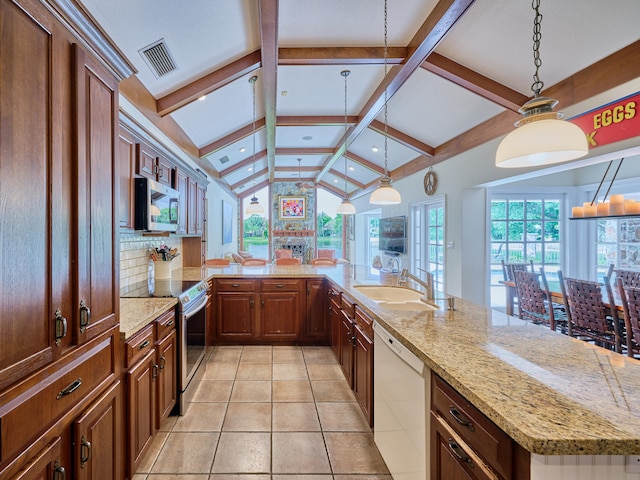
(61,327)
(59,472)
(280,285)
(459,452)
(460,419)
(85,316)
(235,285)
(85,451)
(169,323)
(143,345)
(154,371)
(70,389)
(163,362)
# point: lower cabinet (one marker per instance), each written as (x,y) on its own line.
(316,319)
(45,465)
(167,361)
(363,363)
(466,444)
(346,340)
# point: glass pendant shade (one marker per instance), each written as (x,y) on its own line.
(385,194)
(254,208)
(346,208)
(541,142)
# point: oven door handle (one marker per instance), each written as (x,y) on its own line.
(196,308)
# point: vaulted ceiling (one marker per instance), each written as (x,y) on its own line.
(458,70)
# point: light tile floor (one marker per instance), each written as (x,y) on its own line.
(267,413)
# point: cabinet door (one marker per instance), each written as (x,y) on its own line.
(126,173)
(201,192)
(141,408)
(236,319)
(145,161)
(182,187)
(315,321)
(167,376)
(192,205)
(335,321)
(363,373)
(98,438)
(164,171)
(280,315)
(97,118)
(35,185)
(346,347)
(45,465)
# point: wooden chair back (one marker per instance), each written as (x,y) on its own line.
(508,269)
(283,253)
(254,262)
(217,262)
(629,278)
(588,316)
(630,297)
(324,261)
(288,261)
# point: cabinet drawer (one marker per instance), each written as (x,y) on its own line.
(165,324)
(364,321)
(281,285)
(235,285)
(31,411)
(139,345)
(489,441)
(334,294)
(348,306)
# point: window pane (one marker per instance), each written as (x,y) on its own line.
(498,210)
(516,253)
(497,252)
(551,253)
(498,231)
(516,231)
(552,209)
(551,231)
(534,210)
(516,210)
(534,230)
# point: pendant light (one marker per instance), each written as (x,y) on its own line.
(385,194)
(346,207)
(254,208)
(541,136)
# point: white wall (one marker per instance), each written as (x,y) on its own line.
(215,196)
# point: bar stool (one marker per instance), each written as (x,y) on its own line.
(630,297)
(535,300)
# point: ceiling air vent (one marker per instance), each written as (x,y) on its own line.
(223,160)
(158,58)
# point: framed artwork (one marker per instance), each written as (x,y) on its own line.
(227,222)
(293,208)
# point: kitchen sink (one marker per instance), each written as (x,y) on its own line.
(396,298)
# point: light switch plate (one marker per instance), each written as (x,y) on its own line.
(633,463)
(449,244)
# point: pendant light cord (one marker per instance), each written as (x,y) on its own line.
(537,84)
(345,74)
(252,80)
(386,170)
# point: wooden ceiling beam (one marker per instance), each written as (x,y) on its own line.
(402,138)
(441,19)
(474,82)
(232,137)
(341,176)
(254,189)
(209,83)
(295,168)
(341,56)
(305,151)
(268,10)
(331,188)
(374,167)
(247,161)
(314,121)
(250,178)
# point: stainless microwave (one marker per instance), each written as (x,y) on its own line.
(156,206)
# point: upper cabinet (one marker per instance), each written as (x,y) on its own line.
(150,164)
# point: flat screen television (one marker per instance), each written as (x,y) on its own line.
(393,235)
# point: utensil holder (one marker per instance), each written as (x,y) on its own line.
(162,269)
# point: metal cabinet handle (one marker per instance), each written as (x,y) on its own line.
(59,472)
(163,362)
(85,316)
(280,285)
(235,285)
(460,418)
(61,327)
(70,389)
(143,345)
(85,451)
(459,452)
(169,323)
(154,372)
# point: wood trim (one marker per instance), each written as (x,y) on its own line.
(305,151)
(402,138)
(247,161)
(331,188)
(253,189)
(341,55)
(318,120)
(249,178)
(374,167)
(295,169)
(342,176)
(232,137)
(209,83)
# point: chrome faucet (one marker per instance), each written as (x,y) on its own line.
(428,285)
(396,267)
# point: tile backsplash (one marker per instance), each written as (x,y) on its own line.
(134,256)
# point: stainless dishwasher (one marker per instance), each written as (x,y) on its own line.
(400,407)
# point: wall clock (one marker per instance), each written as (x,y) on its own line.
(430,182)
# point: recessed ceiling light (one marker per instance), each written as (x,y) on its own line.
(242,149)
(374,148)
(203,97)
(284,93)
(307,137)
(351,169)
(335,180)
(249,169)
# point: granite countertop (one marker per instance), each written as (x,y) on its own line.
(137,313)
(553,394)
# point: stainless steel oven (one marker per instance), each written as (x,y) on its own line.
(192,341)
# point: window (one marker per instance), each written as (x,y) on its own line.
(618,243)
(371,222)
(524,228)
(427,237)
(255,228)
(329,222)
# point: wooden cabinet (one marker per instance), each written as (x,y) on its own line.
(192,214)
(167,361)
(126,172)
(316,315)
(363,363)
(192,205)
(201,192)
(335,320)
(236,310)
(45,465)
(182,187)
(346,340)
(141,395)
(466,444)
(151,164)
(280,317)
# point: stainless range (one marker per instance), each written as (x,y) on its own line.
(191,314)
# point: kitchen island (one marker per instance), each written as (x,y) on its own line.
(572,405)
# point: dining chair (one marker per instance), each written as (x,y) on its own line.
(508,269)
(324,261)
(217,262)
(254,262)
(288,261)
(588,316)
(630,299)
(283,253)
(629,278)
(535,300)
